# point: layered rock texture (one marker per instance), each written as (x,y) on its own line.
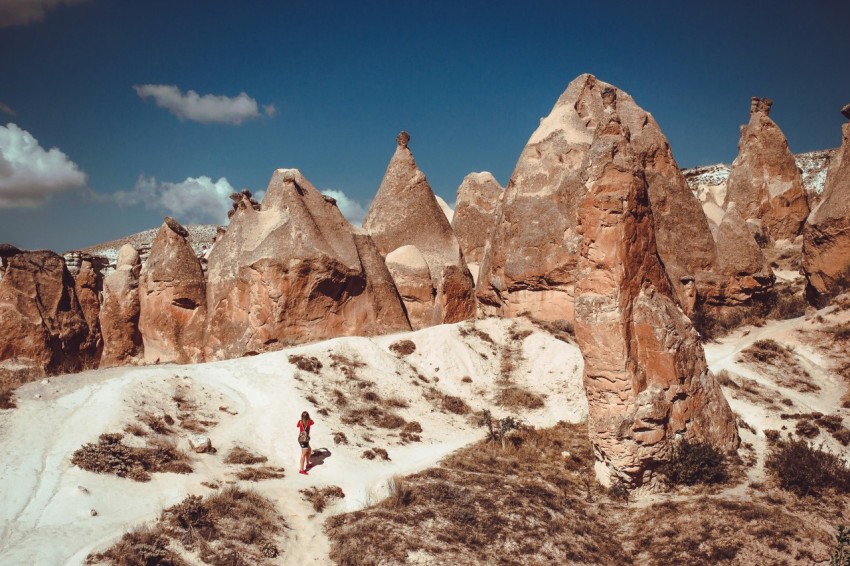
(646,376)
(88,283)
(826,237)
(478,197)
(405,213)
(41,322)
(531,261)
(172,299)
(119,315)
(764,180)
(294,271)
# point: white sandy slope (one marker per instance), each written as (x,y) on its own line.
(46,515)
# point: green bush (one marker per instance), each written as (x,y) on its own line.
(695,463)
(801,468)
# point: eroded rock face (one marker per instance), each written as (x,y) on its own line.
(119,315)
(172,299)
(88,284)
(406,213)
(293,272)
(475,210)
(764,180)
(742,279)
(646,377)
(826,236)
(41,321)
(531,260)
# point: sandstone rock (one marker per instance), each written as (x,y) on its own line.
(172,299)
(826,236)
(88,284)
(475,214)
(764,180)
(293,272)
(646,377)
(405,212)
(119,315)
(41,322)
(742,279)
(412,278)
(845,111)
(531,259)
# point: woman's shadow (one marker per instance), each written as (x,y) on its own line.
(318,457)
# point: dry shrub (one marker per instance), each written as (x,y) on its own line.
(840,332)
(403,347)
(800,467)
(368,454)
(233,523)
(463,503)
(110,456)
(158,424)
(561,329)
(319,497)
(260,473)
(694,463)
(455,405)
(373,415)
(806,428)
(410,432)
(135,429)
(309,364)
(141,547)
(478,333)
(340,438)
(239,455)
(466,379)
(7,400)
(514,397)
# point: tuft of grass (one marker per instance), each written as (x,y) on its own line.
(694,463)
(260,473)
(403,347)
(340,438)
(515,397)
(455,405)
(239,455)
(320,497)
(309,364)
(7,400)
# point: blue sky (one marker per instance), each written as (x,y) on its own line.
(334,82)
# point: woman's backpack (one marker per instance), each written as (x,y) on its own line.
(304,435)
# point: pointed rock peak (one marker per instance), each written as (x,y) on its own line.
(176,227)
(845,111)
(760,105)
(402,139)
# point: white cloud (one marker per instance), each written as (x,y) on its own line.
(5,109)
(206,109)
(195,200)
(23,12)
(353,211)
(28,173)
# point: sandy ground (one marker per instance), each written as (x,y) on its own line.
(46,516)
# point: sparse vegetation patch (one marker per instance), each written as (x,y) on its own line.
(320,497)
(110,456)
(309,364)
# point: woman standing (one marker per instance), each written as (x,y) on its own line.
(304,425)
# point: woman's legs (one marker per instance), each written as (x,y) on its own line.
(305,457)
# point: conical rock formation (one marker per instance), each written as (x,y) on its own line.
(293,272)
(88,284)
(646,377)
(764,180)
(119,314)
(475,214)
(826,236)
(172,299)
(406,213)
(531,260)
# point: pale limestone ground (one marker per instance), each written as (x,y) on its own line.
(45,517)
